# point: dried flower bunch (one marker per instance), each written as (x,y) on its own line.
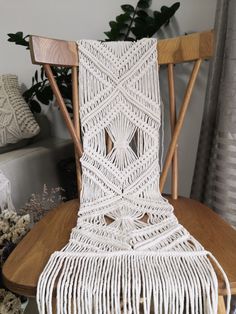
(12,229)
(9,303)
(40,204)
(14,226)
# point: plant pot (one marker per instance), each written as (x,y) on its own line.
(24,304)
(68,178)
(57,123)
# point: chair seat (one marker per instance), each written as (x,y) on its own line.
(23,267)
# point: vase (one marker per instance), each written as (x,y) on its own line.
(24,304)
(57,123)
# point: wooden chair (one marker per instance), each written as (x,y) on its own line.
(23,267)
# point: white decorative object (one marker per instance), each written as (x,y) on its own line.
(5,193)
(16,120)
(114,261)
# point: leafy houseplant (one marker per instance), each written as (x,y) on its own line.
(139,22)
(133,24)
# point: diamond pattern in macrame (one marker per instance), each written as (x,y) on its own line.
(128,248)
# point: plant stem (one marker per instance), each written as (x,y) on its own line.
(131,23)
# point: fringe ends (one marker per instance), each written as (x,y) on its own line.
(125,282)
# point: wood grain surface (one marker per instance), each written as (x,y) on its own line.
(172,50)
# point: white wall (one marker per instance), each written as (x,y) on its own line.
(76,19)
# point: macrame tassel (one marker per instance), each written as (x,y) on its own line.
(129,283)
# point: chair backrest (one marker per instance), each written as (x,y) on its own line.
(189,48)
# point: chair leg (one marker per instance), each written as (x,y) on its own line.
(221,305)
(54,305)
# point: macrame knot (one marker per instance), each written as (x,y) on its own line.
(124,218)
(121,143)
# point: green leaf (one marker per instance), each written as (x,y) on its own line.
(109,35)
(114,34)
(70,110)
(127,8)
(122,36)
(42,97)
(116,27)
(65,92)
(55,70)
(29,93)
(123,26)
(12,37)
(163,17)
(164,8)
(141,13)
(157,15)
(19,39)
(42,74)
(130,39)
(16,36)
(143,4)
(139,20)
(19,34)
(123,18)
(170,11)
(138,32)
(36,76)
(113,24)
(47,91)
(35,106)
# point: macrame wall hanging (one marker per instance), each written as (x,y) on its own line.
(128,253)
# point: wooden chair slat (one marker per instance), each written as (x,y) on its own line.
(174,167)
(179,123)
(76,120)
(53,51)
(175,50)
(186,48)
(63,108)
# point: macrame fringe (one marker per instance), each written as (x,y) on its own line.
(124,283)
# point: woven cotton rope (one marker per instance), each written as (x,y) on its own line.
(128,253)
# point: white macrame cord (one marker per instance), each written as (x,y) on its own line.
(128,253)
